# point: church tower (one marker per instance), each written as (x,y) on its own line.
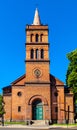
(37,49)
(37,67)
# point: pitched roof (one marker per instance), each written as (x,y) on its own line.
(18,79)
(55,81)
(6,87)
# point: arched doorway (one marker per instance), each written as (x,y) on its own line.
(37,110)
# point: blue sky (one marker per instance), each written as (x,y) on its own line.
(61,17)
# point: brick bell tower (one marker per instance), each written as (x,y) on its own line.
(37,90)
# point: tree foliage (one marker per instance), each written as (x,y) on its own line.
(71,76)
(1,106)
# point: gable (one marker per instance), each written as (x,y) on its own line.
(55,81)
(19,81)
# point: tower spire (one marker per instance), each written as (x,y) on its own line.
(36,20)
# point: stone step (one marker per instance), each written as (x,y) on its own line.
(39,122)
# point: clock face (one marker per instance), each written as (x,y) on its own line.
(37,73)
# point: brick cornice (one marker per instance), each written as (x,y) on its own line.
(18,86)
(37,61)
(7,94)
(30,43)
(37,83)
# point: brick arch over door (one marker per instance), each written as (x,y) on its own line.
(43,99)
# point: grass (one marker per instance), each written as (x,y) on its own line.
(65,124)
(25,123)
(15,123)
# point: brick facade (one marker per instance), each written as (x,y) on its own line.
(37,84)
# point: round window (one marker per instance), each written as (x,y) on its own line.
(37,73)
(19,94)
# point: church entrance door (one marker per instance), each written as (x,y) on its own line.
(37,110)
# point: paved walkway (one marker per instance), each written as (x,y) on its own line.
(35,127)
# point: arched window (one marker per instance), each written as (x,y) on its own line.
(32,54)
(37,38)
(42,53)
(31,37)
(37,53)
(41,38)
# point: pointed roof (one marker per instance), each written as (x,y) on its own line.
(18,80)
(36,20)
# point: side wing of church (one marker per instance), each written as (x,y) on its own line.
(38,95)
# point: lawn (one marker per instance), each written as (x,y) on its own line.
(15,123)
(75,124)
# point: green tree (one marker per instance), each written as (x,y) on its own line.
(71,76)
(1,106)
(2,109)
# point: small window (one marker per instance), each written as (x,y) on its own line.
(31,38)
(41,37)
(19,94)
(37,53)
(56,109)
(42,53)
(19,108)
(32,54)
(37,38)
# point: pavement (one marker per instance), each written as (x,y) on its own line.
(43,127)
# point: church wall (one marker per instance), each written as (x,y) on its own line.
(45,47)
(45,37)
(69,102)
(44,68)
(61,104)
(18,101)
(41,91)
(7,107)
(21,82)
(58,101)
(37,30)
(54,103)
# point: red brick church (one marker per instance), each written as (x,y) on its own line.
(38,95)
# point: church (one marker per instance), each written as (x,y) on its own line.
(38,95)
